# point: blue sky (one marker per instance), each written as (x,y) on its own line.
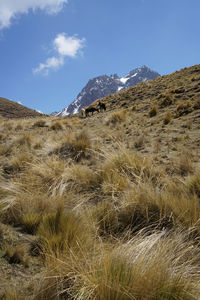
(49,49)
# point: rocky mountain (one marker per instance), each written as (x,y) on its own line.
(102,86)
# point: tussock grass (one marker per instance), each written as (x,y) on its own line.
(139,143)
(117,117)
(131,164)
(31,221)
(40,123)
(167,118)
(11,293)
(156,266)
(20,205)
(76,147)
(17,255)
(56,125)
(24,140)
(17,163)
(193,183)
(184,164)
(153,111)
(153,266)
(166,100)
(82,178)
(183,108)
(113,211)
(5,150)
(140,207)
(63,232)
(197,104)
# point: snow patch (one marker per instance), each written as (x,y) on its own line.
(119,88)
(134,75)
(124,80)
(76,110)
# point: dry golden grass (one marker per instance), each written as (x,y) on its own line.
(11,293)
(183,108)
(17,255)
(193,183)
(75,147)
(108,212)
(11,109)
(154,266)
(40,123)
(56,125)
(167,118)
(146,267)
(166,100)
(153,111)
(116,117)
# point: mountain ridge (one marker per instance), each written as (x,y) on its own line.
(101,86)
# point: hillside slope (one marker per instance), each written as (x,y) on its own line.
(11,109)
(181,85)
(108,206)
(104,85)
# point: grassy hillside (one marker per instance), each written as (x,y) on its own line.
(179,86)
(11,109)
(105,207)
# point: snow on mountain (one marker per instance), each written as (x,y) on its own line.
(104,85)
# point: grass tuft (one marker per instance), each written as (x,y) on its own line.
(153,111)
(77,148)
(117,117)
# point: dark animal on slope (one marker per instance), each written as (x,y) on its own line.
(90,109)
(102,106)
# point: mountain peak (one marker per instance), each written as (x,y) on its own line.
(101,86)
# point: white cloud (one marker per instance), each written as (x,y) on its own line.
(51,63)
(64,46)
(68,45)
(10,9)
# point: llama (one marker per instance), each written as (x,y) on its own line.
(102,106)
(90,109)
